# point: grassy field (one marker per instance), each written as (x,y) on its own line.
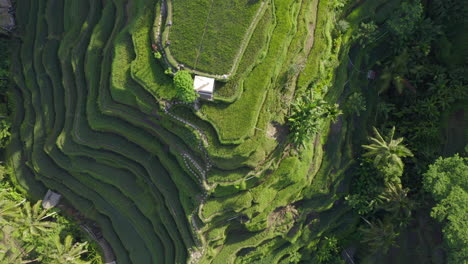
(198,38)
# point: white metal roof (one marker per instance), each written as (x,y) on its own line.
(51,199)
(203,84)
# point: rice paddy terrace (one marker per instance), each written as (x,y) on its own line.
(209,36)
(212,182)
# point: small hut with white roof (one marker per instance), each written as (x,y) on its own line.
(204,86)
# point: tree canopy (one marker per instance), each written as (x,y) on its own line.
(406,19)
(447,181)
(32,234)
(387,152)
(184,85)
(444,174)
(306,116)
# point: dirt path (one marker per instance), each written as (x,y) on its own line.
(312,25)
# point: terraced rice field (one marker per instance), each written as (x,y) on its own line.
(170,182)
(209,35)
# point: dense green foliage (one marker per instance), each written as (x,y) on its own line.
(99,119)
(307,116)
(447,181)
(406,20)
(417,85)
(31,234)
(328,252)
(387,153)
(183,83)
(379,236)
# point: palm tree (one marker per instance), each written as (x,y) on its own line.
(9,210)
(67,252)
(395,200)
(393,75)
(12,250)
(386,151)
(332,112)
(379,236)
(32,219)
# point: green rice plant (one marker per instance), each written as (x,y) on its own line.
(234,245)
(230,91)
(135,137)
(36,97)
(235,122)
(200,41)
(220,205)
(144,69)
(38,124)
(322,45)
(121,83)
(85,206)
(55,29)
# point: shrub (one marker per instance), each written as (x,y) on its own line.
(157,55)
(168,71)
(328,251)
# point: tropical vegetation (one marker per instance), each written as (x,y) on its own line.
(183,83)
(336,132)
(447,181)
(32,234)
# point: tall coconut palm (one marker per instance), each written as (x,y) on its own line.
(395,200)
(11,249)
(386,151)
(32,219)
(393,75)
(67,252)
(9,210)
(379,236)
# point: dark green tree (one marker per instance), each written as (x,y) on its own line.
(306,116)
(395,200)
(393,74)
(367,33)
(404,21)
(28,234)
(8,209)
(379,236)
(32,217)
(356,103)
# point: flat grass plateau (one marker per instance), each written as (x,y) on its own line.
(207,35)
